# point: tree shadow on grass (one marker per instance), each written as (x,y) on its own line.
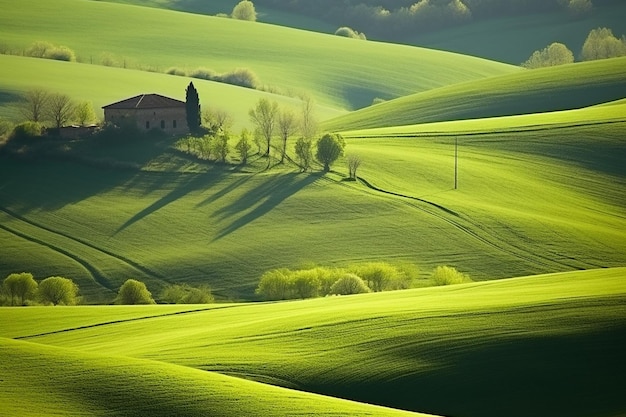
(262,199)
(192,183)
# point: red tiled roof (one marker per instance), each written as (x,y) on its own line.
(146,101)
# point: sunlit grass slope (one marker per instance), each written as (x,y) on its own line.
(105,85)
(529,201)
(551,89)
(546,345)
(39,380)
(340,72)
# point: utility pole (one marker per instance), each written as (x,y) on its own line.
(456,163)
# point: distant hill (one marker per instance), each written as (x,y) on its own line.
(338,72)
(530,91)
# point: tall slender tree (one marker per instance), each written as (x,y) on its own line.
(192,105)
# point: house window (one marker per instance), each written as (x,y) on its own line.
(162,124)
(148,125)
(174,124)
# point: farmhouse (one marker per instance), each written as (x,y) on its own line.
(149,111)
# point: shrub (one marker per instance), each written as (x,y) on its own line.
(446,275)
(579,8)
(20,287)
(554,54)
(350,33)
(306,283)
(242,77)
(176,71)
(349,284)
(275,285)
(203,74)
(38,49)
(6,128)
(134,292)
(27,130)
(244,10)
(58,290)
(61,53)
(186,294)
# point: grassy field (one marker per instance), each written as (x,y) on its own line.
(530,201)
(105,85)
(338,72)
(533,91)
(556,339)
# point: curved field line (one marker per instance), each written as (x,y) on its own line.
(123,259)
(515,251)
(93,271)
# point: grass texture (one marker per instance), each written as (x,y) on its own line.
(543,90)
(529,201)
(338,72)
(546,345)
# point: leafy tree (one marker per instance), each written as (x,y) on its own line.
(554,54)
(579,7)
(85,113)
(192,106)
(243,147)
(134,292)
(33,106)
(221,146)
(275,285)
(186,294)
(329,148)
(354,162)
(446,275)
(287,126)
(244,10)
(349,284)
(304,153)
(20,286)
(306,284)
(58,290)
(60,109)
(264,116)
(601,44)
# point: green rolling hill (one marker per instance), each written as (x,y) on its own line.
(338,72)
(545,345)
(532,91)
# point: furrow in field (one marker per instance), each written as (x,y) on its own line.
(129,262)
(454,219)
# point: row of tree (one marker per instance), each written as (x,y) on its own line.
(21,289)
(600,44)
(42,106)
(285,284)
(399,20)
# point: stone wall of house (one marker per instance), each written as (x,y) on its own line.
(172,121)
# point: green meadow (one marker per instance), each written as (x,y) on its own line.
(544,90)
(515,177)
(473,349)
(338,72)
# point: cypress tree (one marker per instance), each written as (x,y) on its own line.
(192,105)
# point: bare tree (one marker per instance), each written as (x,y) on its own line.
(60,109)
(304,153)
(264,116)
(308,122)
(354,162)
(33,107)
(287,126)
(217,119)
